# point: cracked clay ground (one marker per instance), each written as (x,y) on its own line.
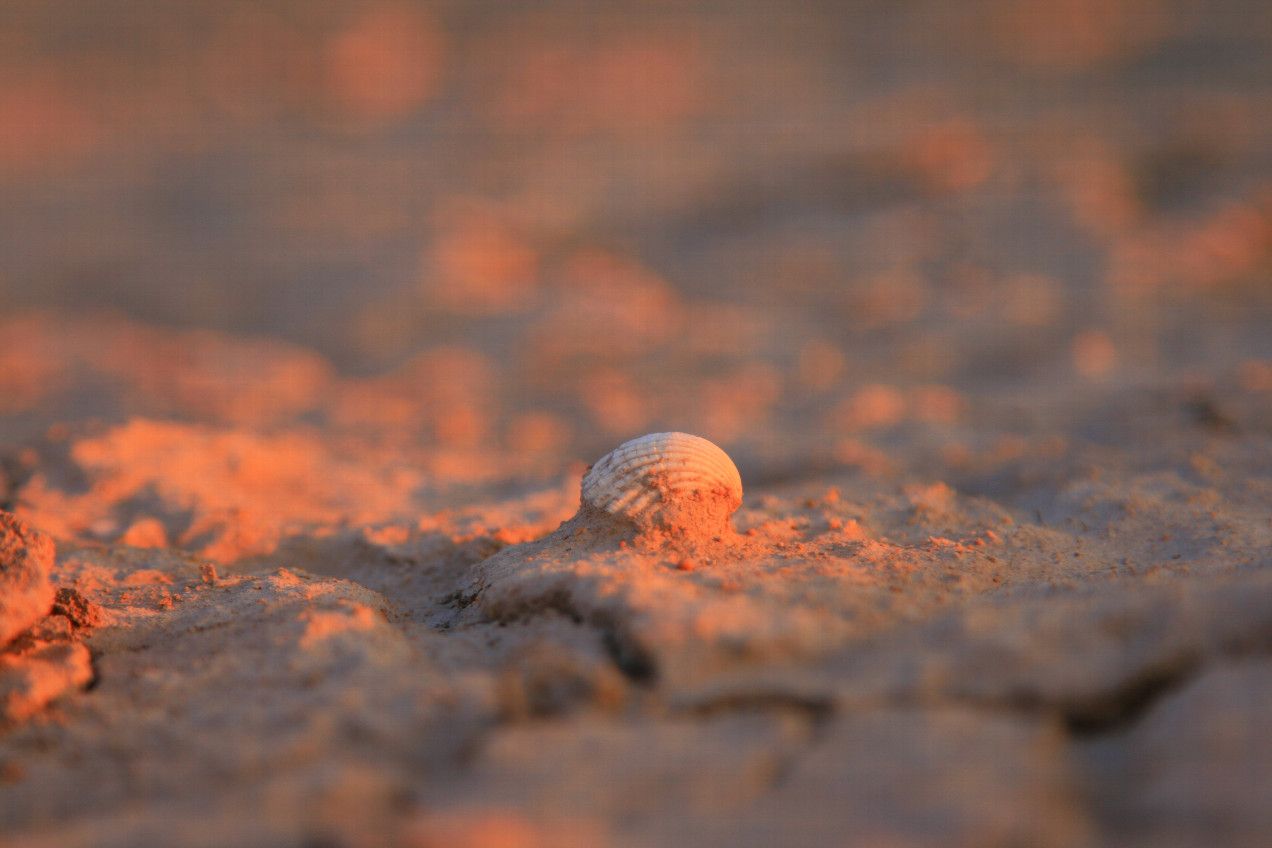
(313,317)
(1070,649)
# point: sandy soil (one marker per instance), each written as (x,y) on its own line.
(305,351)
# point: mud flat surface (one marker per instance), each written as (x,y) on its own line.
(313,317)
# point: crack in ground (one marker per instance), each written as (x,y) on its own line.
(1129,703)
(633,659)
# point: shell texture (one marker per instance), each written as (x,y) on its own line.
(648,478)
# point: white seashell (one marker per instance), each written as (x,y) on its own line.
(664,478)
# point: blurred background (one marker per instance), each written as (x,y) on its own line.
(809,230)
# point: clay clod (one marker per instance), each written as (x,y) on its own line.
(26,593)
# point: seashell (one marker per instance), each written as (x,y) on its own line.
(665,479)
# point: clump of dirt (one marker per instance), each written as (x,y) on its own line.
(41,660)
(26,593)
(39,672)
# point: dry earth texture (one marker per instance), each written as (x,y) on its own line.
(293,639)
(314,315)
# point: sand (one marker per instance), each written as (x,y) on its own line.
(312,323)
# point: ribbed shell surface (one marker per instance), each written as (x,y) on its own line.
(636,476)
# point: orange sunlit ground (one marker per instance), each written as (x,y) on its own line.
(314,315)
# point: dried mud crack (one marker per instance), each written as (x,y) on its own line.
(817,637)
